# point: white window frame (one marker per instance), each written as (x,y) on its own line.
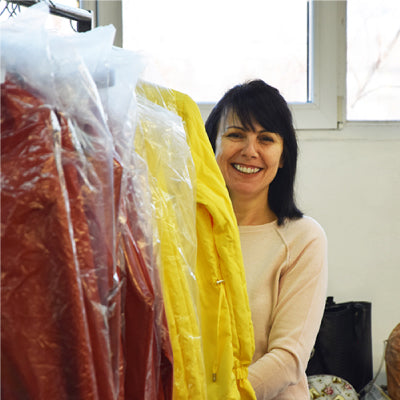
(321,111)
(327,110)
(106,12)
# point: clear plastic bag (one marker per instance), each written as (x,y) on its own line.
(147,348)
(60,292)
(160,139)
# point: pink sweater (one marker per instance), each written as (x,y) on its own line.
(286,273)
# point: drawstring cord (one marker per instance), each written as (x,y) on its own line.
(241,372)
(217,361)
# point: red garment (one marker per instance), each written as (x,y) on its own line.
(87,173)
(147,347)
(67,331)
(46,348)
(116,320)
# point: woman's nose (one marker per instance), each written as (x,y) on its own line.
(250,148)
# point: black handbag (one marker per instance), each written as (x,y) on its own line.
(344,343)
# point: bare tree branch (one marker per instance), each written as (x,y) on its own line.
(362,92)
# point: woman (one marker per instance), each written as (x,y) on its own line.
(284,252)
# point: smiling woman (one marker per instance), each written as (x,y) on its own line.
(284,252)
(261,104)
(249,159)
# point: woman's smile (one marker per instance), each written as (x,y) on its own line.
(246,169)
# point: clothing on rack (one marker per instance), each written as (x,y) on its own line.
(137,238)
(160,140)
(119,243)
(43,304)
(64,291)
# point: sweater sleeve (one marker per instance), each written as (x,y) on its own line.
(297,315)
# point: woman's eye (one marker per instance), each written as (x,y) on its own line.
(233,135)
(266,139)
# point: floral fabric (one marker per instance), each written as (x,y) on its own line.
(330,387)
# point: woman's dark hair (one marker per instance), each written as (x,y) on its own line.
(257,101)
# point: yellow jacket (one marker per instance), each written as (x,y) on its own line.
(160,140)
(223,308)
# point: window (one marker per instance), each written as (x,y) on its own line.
(327,101)
(373,60)
(205,48)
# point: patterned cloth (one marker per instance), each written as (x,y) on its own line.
(330,387)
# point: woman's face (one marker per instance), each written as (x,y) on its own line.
(249,159)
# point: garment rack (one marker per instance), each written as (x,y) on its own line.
(82,17)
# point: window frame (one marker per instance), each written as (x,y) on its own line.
(321,112)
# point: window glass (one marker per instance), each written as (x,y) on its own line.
(373,60)
(204,48)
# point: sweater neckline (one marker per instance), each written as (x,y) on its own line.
(256,228)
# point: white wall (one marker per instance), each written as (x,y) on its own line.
(349,180)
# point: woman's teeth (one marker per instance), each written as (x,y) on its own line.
(246,170)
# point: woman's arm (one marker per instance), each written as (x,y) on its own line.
(297,315)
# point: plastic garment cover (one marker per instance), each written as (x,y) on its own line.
(148,372)
(60,293)
(37,350)
(147,348)
(223,308)
(161,140)
(56,285)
